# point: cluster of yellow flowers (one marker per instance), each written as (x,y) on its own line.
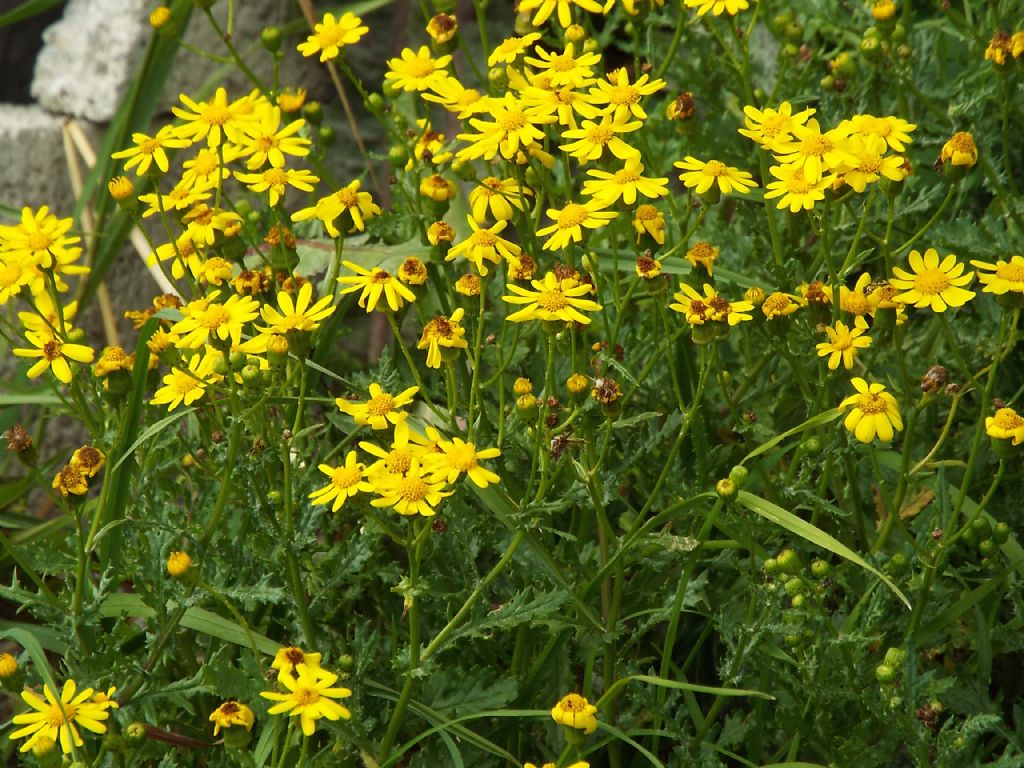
(305,690)
(56,719)
(1002,45)
(413,475)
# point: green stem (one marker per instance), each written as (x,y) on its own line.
(928,224)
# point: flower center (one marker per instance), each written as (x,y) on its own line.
(228,708)
(797,184)
(421,67)
(398,461)
(715,168)
(552,301)
(870,164)
(304,697)
(871,403)
(962,142)
(563,62)
(184,383)
(856,303)
(39,241)
(1013,273)
(626,176)
(571,216)
(381,405)
(1006,419)
(413,489)
(600,134)
(264,143)
(215,114)
(463,457)
(843,341)
(773,126)
(51,349)
(439,327)
(381,277)
(214,317)
(294,656)
(775,303)
(574,703)
(275,176)
(815,146)
(512,120)
(347,197)
(931,282)
(623,95)
(646,213)
(720,306)
(484,239)
(346,477)
(149,146)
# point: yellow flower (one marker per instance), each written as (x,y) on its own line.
(647,268)
(498,195)
(1003,276)
(514,127)
(296,314)
(380,409)
(552,299)
(150,149)
(648,219)
(88,460)
(875,412)
(561,8)
(570,221)
(210,120)
(348,199)
(442,28)
(607,188)
(59,720)
(870,165)
(1006,424)
(591,139)
(204,318)
(933,283)
(883,10)
(856,300)
(277,180)
(178,564)
(13,277)
(455,97)
(181,386)
(624,97)
(416,71)
(705,254)
(702,176)
(484,244)
(330,36)
(231,713)
(960,150)
(772,128)
(458,457)
(437,188)
(70,480)
(413,271)
(814,152)
(205,222)
(263,140)
(346,481)
(410,493)
(441,336)
(780,304)
(8,665)
(468,285)
(38,239)
(717,7)
(309,696)
(511,48)
(53,355)
(794,189)
(575,711)
(711,307)
(291,101)
(895,131)
(843,343)
(288,658)
(375,283)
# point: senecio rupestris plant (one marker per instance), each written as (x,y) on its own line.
(649,397)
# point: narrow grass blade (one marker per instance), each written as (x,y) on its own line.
(27,10)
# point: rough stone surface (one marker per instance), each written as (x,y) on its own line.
(32,158)
(89,57)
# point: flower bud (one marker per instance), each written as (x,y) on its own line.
(270,38)
(885,674)
(726,489)
(178,564)
(522,386)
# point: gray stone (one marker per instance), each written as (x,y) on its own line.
(32,156)
(89,57)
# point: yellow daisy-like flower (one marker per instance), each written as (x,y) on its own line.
(345,482)
(814,152)
(204,318)
(288,658)
(843,343)
(59,720)
(704,254)
(181,386)
(871,164)
(511,48)
(960,150)
(263,140)
(575,711)
(625,183)
(413,271)
(330,36)
(349,199)
(38,239)
(468,285)
(375,283)
(565,68)
(458,457)
(514,127)
(406,445)
(1003,276)
(310,696)
(875,412)
(649,220)
(296,314)
(570,222)
(150,149)
(710,307)
(794,189)
(552,299)
(409,493)
(500,196)
(1006,424)
(416,70)
(229,714)
(933,283)
(772,128)
(212,119)
(647,268)
(89,460)
(53,355)
(381,409)
(592,139)
(624,97)
(484,244)
(780,304)
(701,176)
(456,98)
(442,337)
(276,180)
(70,480)
(894,131)
(203,223)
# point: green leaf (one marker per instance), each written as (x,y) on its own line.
(813,534)
(27,639)
(147,433)
(27,10)
(521,609)
(45,636)
(815,421)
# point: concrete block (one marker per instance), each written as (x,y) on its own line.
(32,156)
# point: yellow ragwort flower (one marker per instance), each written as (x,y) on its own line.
(875,412)
(575,711)
(932,283)
(380,409)
(229,714)
(552,299)
(330,36)
(1006,424)
(345,482)
(59,720)
(375,283)
(843,343)
(310,696)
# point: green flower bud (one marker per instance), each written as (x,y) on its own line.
(898,563)
(726,489)
(789,562)
(987,547)
(884,673)
(771,566)
(739,475)
(325,135)
(793,641)
(270,38)
(795,586)
(1001,533)
(894,657)
(794,32)
(820,569)
(982,527)
(313,112)
(798,600)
